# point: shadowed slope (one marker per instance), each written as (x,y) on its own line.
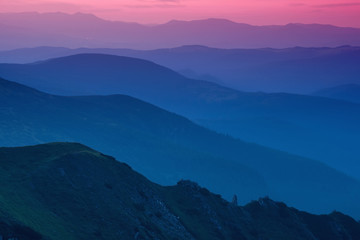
(303,125)
(166,147)
(69,191)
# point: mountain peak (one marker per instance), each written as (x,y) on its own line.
(48,152)
(217,21)
(222,20)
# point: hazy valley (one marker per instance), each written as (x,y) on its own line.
(205,128)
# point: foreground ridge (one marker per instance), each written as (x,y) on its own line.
(69,191)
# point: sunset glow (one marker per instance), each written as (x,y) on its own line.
(258,12)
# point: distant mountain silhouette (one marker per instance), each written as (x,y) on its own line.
(299,124)
(295,70)
(166,147)
(85,30)
(69,191)
(347,92)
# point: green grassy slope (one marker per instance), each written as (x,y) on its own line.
(69,191)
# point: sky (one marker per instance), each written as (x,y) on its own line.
(257,12)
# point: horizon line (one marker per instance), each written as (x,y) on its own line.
(175,20)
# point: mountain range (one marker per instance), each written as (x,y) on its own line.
(298,124)
(347,92)
(68,191)
(33,29)
(205,129)
(166,148)
(270,70)
(291,70)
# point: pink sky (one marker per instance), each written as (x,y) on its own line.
(258,12)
